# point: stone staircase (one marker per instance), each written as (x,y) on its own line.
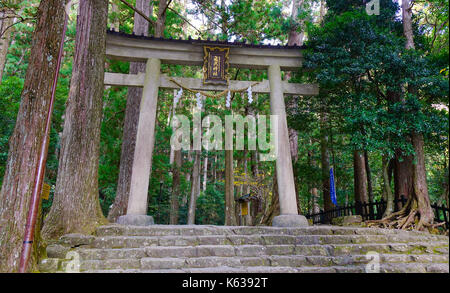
(220,249)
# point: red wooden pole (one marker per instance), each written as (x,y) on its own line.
(40,168)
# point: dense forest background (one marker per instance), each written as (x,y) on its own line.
(356,58)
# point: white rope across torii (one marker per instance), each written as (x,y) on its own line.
(222,93)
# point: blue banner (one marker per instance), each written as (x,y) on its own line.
(332,188)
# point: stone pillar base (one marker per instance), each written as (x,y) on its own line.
(290,221)
(136,220)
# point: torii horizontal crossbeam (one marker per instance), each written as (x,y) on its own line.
(137,80)
(138,49)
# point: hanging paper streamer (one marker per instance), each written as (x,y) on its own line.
(249,94)
(177,97)
(228,103)
(199,100)
(332,188)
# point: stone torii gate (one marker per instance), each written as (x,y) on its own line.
(155,51)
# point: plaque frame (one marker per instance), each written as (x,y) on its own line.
(221,76)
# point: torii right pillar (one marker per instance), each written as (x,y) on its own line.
(289,216)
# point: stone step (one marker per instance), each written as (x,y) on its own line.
(384,268)
(260,250)
(201,230)
(159,263)
(143,241)
(165,248)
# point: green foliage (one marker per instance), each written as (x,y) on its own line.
(211,206)
(10,92)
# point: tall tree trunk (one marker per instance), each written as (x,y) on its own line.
(420,183)
(76,207)
(205,165)
(360,178)
(369,181)
(189,159)
(5,31)
(401,163)
(177,158)
(214,169)
(134,96)
(315,203)
(369,176)
(174,204)
(407,23)
(195,188)
(205,172)
(389,197)
(325,158)
(402,176)
(314,192)
(25,142)
(115,24)
(230,218)
(419,205)
(161,21)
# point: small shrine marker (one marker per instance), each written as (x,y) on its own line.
(45,191)
(215,65)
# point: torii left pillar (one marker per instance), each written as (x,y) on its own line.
(143,152)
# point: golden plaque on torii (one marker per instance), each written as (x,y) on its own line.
(215,65)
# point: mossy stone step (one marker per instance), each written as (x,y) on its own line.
(204,230)
(164,248)
(384,268)
(261,250)
(144,241)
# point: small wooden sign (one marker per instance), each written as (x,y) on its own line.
(45,191)
(244,208)
(215,65)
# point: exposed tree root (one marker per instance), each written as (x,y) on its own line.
(410,217)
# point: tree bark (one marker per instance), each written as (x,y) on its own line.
(115,24)
(402,176)
(195,188)
(420,203)
(161,21)
(402,164)
(407,24)
(369,182)
(360,178)
(230,219)
(420,183)
(174,204)
(205,172)
(314,192)
(5,30)
(134,96)
(325,158)
(389,197)
(25,142)
(76,207)
(369,176)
